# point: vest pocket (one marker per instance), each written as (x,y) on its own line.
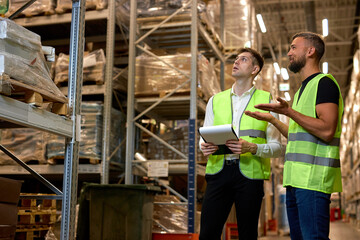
(299,174)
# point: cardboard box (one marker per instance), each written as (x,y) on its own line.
(7,232)
(8,214)
(9,190)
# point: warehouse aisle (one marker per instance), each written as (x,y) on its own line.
(338,231)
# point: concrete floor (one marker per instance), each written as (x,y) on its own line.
(338,231)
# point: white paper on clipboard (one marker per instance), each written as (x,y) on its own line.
(218,135)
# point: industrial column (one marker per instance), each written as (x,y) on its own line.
(130,128)
(72,144)
(193,121)
(110,36)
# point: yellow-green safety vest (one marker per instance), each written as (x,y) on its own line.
(250,129)
(311,163)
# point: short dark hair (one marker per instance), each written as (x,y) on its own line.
(316,40)
(256,56)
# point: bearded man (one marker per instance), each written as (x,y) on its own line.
(312,163)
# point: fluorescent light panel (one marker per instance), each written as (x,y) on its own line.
(261,23)
(325,27)
(325,67)
(284,74)
(287,96)
(277,68)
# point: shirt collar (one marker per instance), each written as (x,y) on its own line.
(250,91)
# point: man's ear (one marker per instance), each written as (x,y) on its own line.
(311,52)
(256,69)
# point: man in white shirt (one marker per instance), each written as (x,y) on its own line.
(239,177)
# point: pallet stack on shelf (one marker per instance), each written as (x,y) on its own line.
(97,14)
(35,218)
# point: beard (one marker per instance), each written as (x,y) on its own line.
(296,66)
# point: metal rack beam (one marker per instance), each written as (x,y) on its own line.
(48,169)
(26,115)
(60,18)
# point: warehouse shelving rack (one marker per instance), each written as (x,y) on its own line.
(109,15)
(23,114)
(349,148)
(170,108)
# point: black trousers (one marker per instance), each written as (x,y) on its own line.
(223,189)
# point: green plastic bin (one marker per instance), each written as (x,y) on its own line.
(113,211)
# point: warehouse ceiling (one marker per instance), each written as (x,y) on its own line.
(283,18)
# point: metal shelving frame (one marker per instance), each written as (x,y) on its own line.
(106,89)
(26,115)
(191,101)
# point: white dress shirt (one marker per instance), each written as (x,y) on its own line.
(271,149)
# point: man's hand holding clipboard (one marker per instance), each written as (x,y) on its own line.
(215,138)
(222,139)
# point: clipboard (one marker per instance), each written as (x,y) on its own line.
(219,135)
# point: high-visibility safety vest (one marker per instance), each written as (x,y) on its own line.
(250,129)
(311,163)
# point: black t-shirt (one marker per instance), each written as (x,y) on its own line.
(328,91)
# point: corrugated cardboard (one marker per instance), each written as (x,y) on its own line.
(8,214)
(7,232)
(9,190)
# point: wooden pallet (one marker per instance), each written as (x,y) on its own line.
(33,212)
(33,96)
(163,93)
(33,217)
(43,13)
(68,8)
(82,160)
(94,82)
(32,233)
(32,203)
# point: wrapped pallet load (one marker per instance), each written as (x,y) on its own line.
(240,23)
(91,135)
(93,68)
(39,7)
(151,8)
(26,143)
(22,59)
(154,76)
(66,5)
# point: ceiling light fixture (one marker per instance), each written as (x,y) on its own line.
(287,96)
(325,27)
(277,68)
(261,23)
(284,74)
(325,67)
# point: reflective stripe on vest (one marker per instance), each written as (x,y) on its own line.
(250,129)
(252,133)
(304,136)
(311,163)
(306,158)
